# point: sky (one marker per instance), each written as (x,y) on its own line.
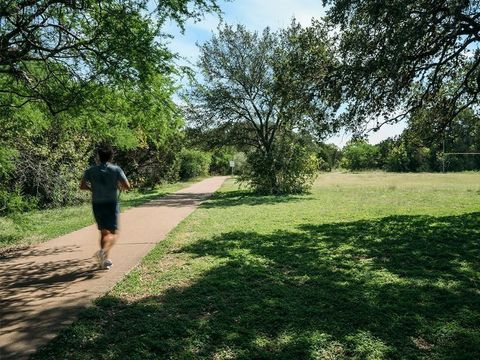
(256,15)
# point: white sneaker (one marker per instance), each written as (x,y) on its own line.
(107,264)
(100,256)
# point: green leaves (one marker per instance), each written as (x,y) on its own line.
(53,48)
(260,91)
(398,56)
(54,150)
(360,155)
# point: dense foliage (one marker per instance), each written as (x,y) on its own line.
(50,50)
(329,156)
(74,74)
(399,56)
(258,91)
(291,167)
(44,155)
(359,155)
(194,163)
(410,152)
(220,160)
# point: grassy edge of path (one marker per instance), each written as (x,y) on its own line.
(33,227)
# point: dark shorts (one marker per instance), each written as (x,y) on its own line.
(106,215)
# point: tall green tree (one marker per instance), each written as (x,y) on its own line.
(330,156)
(261,90)
(398,55)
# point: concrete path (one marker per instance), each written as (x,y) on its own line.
(43,288)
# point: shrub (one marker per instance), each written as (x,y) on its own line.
(194,163)
(49,168)
(324,165)
(403,156)
(289,168)
(151,164)
(51,171)
(329,156)
(14,202)
(397,159)
(7,161)
(360,155)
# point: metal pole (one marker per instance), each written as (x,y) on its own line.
(443,156)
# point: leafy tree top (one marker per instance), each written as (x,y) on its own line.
(257,86)
(50,48)
(399,55)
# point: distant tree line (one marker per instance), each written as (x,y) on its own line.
(410,152)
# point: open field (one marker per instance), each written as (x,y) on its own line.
(41,225)
(366,266)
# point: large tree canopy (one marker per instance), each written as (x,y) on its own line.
(403,55)
(258,85)
(50,48)
(262,90)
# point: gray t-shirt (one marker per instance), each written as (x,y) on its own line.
(104,179)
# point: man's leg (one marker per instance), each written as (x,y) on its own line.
(107,240)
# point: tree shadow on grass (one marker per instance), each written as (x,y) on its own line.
(250,198)
(397,287)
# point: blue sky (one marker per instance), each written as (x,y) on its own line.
(256,15)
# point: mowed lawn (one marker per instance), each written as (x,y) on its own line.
(366,266)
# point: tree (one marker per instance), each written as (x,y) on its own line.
(406,154)
(330,155)
(43,155)
(413,151)
(194,163)
(398,56)
(461,136)
(49,49)
(360,155)
(262,89)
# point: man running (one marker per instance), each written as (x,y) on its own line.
(103,181)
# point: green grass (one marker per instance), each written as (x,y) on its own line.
(41,225)
(367,266)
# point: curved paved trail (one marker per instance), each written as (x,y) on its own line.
(43,288)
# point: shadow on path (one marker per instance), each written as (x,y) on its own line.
(396,287)
(178,200)
(26,282)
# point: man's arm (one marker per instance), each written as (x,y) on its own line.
(123,184)
(84,185)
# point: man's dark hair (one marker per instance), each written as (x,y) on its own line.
(105,153)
